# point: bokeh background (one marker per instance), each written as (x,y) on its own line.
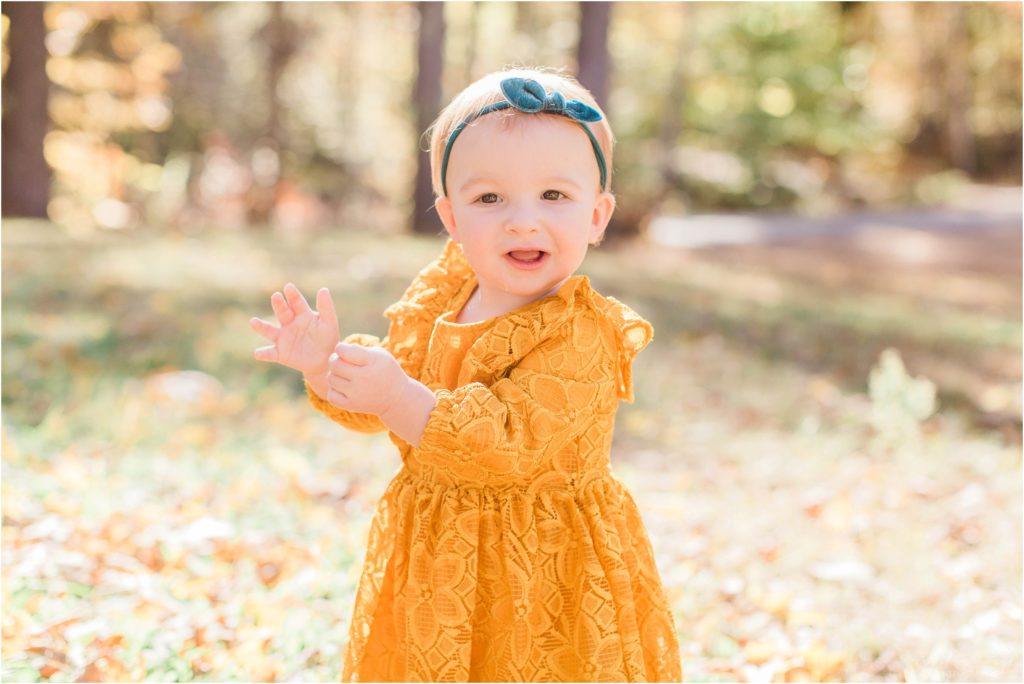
(819,210)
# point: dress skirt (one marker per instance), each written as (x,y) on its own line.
(488,584)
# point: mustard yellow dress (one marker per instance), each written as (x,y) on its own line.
(505,549)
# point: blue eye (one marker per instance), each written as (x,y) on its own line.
(557,192)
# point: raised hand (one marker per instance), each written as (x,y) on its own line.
(305,338)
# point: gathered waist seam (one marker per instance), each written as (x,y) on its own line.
(575,484)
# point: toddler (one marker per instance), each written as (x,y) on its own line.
(505,548)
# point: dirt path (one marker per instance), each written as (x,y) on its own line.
(962,261)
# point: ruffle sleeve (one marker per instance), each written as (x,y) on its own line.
(632,333)
(428,296)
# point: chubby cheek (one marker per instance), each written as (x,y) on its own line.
(574,236)
(573,254)
(481,235)
(479,251)
(475,238)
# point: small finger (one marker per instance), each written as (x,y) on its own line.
(337,367)
(352,353)
(281,308)
(325,306)
(338,382)
(296,301)
(337,398)
(268,330)
(265,353)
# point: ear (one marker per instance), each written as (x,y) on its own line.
(443,206)
(604,206)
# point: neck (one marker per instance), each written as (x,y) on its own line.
(497,302)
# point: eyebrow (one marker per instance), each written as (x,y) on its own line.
(551,179)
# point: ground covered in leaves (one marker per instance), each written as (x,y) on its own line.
(825,447)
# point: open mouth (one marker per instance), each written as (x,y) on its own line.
(527,260)
(529,257)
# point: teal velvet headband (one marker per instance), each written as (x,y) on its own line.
(528,95)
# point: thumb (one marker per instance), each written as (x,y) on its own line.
(268,353)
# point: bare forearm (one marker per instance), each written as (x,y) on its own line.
(408,416)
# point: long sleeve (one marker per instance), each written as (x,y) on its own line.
(504,429)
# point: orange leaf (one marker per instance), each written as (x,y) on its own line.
(758,652)
(48,670)
(823,663)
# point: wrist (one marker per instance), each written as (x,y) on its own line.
(319,370)
(400,398)
(317,382)
(317,373)
(408,414)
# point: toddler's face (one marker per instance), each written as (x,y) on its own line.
(533,185)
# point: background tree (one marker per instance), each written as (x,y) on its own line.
(427,103)
(959,137)
(592,72)
(26,176)
(592,52)
(281,36)
(672,186)
(473,31)
(158,118)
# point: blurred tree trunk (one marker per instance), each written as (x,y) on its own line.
(672,112)
(26,177)
(848,7)
(929,79)
(945,94)
(592,54)
(525,18)
(426,103)
(474,30)
(959,137)
(280,35)
(592,73)
(858,22)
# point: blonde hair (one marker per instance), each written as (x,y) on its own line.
(486,91)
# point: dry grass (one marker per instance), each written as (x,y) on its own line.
(211,525)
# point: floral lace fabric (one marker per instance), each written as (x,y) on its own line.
(505,548)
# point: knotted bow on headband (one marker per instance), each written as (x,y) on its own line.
(529,96)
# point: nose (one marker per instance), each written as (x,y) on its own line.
(522,218)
